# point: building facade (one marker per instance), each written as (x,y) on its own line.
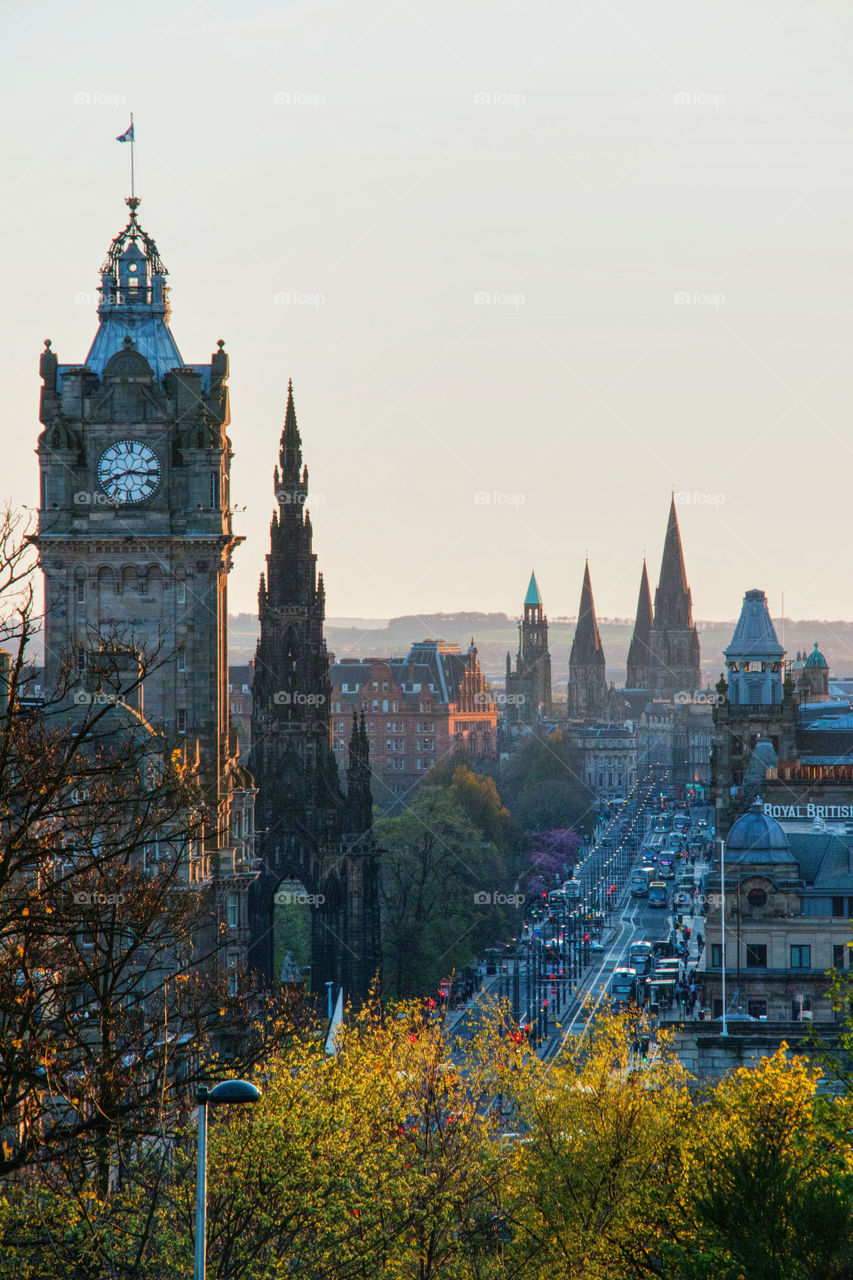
(788,902)
(418,711)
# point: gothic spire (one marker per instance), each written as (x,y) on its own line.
(290,455)
(673,576)
(587,642)
(638,653)
(587,687)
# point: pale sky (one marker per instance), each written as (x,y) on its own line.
(564,255)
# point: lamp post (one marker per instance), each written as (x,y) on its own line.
(725,1030)
(228,1093)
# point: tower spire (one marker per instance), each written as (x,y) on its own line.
(587,684)
(639,652)
(290,452)
(674,640)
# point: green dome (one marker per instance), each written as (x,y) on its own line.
(816,658)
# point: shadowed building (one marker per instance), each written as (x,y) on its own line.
(640,650)
(310,831)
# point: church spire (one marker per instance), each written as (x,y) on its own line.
(675,643)
(587,641)
(639,652)
(673,591)
(587,684)
(290,452)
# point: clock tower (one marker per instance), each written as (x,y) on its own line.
(134,532)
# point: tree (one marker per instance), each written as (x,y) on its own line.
(440,878)
(113,1000)
(770,1188)
(542,785)
(602,1156)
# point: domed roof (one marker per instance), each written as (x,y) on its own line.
(757,838)
(128,362)
(816,658)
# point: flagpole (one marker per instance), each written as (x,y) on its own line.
(132,143)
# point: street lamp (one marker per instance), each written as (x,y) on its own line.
(228,1093)
(725,1030)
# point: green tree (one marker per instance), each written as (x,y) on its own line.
(542,785)
(436,865)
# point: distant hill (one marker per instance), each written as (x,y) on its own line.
(495,634)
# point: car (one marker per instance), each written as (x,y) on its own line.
(596,948)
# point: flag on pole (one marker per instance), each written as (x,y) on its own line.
(127,136)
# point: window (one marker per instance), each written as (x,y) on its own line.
(716,955)
(233,972)
(233,910)
(838,907)
(81,590)
(214,490)
(756,955)
(801,957)
(182,665)
(757,898)
(838,952)
(181,716)
(801,1008)
(757,1008)
(181,591)
(142,586)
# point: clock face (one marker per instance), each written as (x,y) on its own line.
(129,471)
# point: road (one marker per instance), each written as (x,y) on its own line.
(578,998)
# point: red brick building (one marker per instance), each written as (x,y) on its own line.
(418,711)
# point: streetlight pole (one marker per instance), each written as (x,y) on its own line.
(233,1092)
(725,1030)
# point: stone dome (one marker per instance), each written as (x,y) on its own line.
(757,838)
